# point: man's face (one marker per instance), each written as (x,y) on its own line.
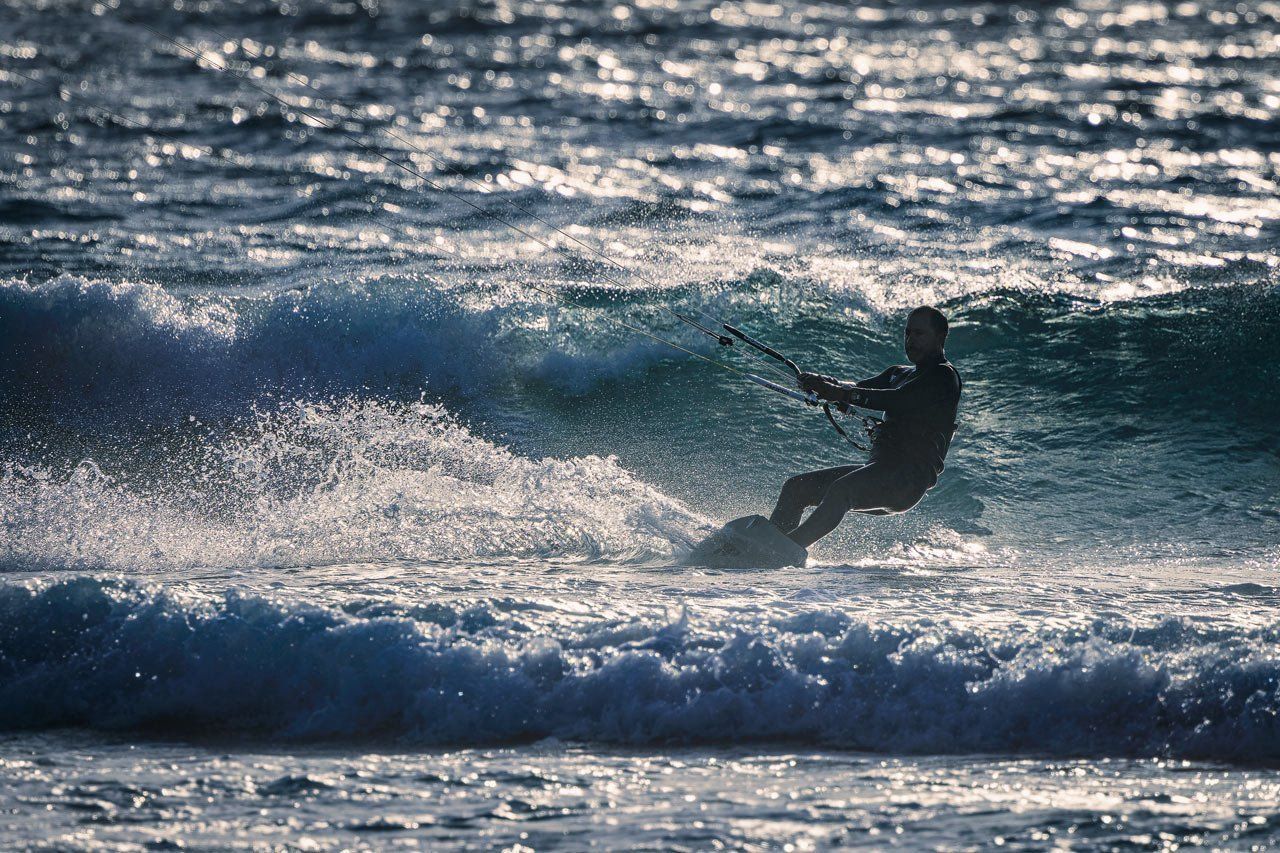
(921,341)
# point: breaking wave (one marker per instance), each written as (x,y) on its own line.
(77,349)
(115,655)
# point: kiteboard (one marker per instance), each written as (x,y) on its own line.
(751,542)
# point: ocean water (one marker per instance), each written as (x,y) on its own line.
(324,527)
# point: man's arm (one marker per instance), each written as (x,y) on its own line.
(916,394)
(880,380)
(828,387)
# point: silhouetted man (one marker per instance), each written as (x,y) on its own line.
(908,448)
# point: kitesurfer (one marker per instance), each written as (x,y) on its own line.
(908,448)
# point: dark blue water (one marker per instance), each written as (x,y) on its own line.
(297,454)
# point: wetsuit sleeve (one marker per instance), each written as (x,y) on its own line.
(915,396)
(881,380)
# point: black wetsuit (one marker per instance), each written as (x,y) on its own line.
(907,452)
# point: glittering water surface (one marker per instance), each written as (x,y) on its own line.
(322,529)
(558,795)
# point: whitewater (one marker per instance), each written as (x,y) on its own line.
(323,527)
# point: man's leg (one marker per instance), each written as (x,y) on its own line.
(803,491)
(870,488)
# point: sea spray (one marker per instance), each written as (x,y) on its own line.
(337,481)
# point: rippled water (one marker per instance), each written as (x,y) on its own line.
(324,526)
(563,796)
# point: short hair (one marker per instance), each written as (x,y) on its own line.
(936,318)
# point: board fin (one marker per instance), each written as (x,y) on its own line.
(750,542)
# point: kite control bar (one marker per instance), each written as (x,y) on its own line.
(808,397)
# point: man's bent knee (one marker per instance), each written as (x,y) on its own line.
(795,487)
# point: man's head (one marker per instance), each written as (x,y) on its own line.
(925,335)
